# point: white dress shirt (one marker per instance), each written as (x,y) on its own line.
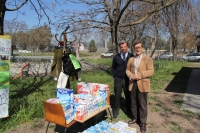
(137,62)
(126,54)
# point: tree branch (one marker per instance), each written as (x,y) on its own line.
(122,11)
(18,7)
(169,3)
(90,27)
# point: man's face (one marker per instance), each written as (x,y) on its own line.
(138,49)
(123,47)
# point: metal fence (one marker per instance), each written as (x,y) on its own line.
(30,65)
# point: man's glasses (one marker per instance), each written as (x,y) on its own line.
(137,47)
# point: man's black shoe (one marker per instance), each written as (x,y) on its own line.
(143,128)
(114,116)
(132,121)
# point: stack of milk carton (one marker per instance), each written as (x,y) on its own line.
(87,104)
(95,89)
(90,98)
(82,104)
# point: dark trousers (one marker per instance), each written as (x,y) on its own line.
(120,83)
(139,104)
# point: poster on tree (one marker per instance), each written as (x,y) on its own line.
(5,50)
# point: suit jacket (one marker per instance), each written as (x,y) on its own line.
(119,66)
(145,70)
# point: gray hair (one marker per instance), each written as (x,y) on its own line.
(122,42)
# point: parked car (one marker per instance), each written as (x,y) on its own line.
(108,54)
(192,57)
(164,56)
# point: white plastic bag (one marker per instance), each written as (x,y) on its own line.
(62,80)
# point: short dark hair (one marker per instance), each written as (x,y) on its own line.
(138,43)
(122,42)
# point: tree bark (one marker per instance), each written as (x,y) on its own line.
(154,40)
(2,14)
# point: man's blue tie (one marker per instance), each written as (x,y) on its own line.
(124,57)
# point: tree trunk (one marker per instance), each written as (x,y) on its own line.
(154,41)
(77,49)
(12,48)
(174,46)
(114,40)
(2,14)
(153,46)
(175,34)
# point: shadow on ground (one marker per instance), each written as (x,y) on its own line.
(21,89)
(180,81)
(80,127)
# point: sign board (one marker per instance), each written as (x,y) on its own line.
(5,50)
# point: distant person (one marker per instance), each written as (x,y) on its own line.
(138,70)
(120,79)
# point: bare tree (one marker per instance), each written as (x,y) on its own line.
(189,27)
(3,10)
(39,6)
(154,39)
(171,18)
(81,36)
(106,14)
(12,28)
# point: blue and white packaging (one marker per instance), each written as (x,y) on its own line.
(101,127)
(65,95)
(128,130)
(117,127)
(70,117)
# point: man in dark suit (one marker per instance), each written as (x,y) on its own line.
(120,79)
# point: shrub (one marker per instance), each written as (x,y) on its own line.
(92,46)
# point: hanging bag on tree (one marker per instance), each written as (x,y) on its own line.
(70,64)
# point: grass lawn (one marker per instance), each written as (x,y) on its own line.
(25,100)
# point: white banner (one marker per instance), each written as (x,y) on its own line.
(5,50)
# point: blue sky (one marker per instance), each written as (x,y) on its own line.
(31,18)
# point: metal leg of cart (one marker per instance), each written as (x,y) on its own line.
(47,126)
(109,111)
(65,130)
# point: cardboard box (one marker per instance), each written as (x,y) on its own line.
(80,110)
(117,127)
(83,116)
(70,117)
(65,95)
(83,88)
(67,112)
(91,88)
(128,130)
